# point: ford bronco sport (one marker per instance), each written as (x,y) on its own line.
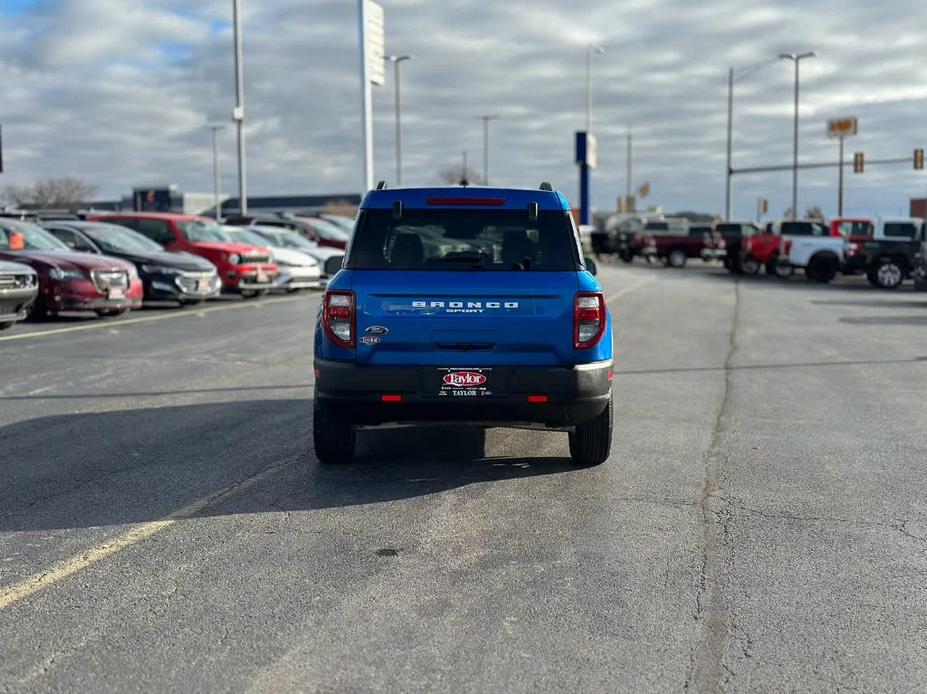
(464,305)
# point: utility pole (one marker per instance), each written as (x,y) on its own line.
(730,142)
(238,115)
(215,128)
(486,120)
(628,178)
(796,58)
(396,60)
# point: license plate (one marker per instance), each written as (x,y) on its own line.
(116,293)
(464,382)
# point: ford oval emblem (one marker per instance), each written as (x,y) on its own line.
(377,330)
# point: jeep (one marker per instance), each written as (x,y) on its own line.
(468,306)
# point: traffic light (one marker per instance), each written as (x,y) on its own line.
(918,159)
(858,162)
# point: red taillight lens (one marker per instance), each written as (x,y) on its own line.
(338,318)
(786,246)
(852,249)
(589,317)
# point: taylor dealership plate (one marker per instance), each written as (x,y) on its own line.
(464,382)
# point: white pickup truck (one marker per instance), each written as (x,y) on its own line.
(807,244)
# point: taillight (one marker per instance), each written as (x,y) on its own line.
(589,318)
(786,246)
(338,318)
(852,249)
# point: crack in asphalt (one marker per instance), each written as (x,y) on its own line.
(708,670)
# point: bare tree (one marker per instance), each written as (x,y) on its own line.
(453,175)
(64,192)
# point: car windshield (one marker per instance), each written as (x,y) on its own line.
(245,236)
(116,239)
(202,231)
(285,239)
(464,240)
(327,230)
(29,237)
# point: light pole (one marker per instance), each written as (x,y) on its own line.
(796,58)
(396,60)
(732,75)
(589,51)
(215,128)
(238,115)
(486,120)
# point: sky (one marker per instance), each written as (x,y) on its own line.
(119,92)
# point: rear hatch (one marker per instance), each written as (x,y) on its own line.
(465,318)
(448,285)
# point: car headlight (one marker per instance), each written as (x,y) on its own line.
(234,258)
(159,270)
(57,273)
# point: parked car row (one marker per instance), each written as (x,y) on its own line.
(886,250)
(112,263)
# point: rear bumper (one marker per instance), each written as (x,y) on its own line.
(574,395)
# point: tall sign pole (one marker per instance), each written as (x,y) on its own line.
(841,128)
(372,71)
(238,115)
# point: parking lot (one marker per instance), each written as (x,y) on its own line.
(761,523)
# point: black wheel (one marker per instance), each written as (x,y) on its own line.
(591,442)
(192,302)
(733,265)
(104,312)
(920,280)
(677,258)
(822,268)
(6,325)
(333,435)
(782,270)
(626,256)
(887,274)
(750,265)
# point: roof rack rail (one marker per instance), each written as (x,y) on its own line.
(381,185)
(546,186)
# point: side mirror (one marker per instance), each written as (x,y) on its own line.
(590,266)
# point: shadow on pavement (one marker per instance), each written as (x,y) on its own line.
(885,320)
(873,303)
(134,466)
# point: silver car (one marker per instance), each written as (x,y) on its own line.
(19,285)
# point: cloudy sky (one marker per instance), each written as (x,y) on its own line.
(119,92)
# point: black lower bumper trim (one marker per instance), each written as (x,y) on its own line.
(573,395)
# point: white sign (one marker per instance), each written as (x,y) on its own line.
(376,67)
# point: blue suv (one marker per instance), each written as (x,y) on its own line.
(464,305)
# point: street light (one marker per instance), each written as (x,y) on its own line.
(395,60)
(486,120)
(589,51)
(796,58)
(732,75)
(238,115)
(215,128)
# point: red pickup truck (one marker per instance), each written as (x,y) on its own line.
(675,241)
(762,248)
(245,269)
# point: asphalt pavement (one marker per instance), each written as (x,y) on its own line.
(761,524)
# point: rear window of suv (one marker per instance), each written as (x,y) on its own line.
(425,239)
(907,230)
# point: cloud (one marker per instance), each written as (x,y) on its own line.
(120,93)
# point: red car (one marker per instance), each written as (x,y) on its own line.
(245,269)
(68,280)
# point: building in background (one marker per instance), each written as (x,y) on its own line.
(919,207)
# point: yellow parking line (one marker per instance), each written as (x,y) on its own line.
(627,290)
(147,319)
(69,567)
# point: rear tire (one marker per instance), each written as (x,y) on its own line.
(332,434)
(39,310)
(782,270)
(626,256)
(750,265)
(887,274)
(822,268)
(107,312)
(591,442)
(6,325)
(677,258)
